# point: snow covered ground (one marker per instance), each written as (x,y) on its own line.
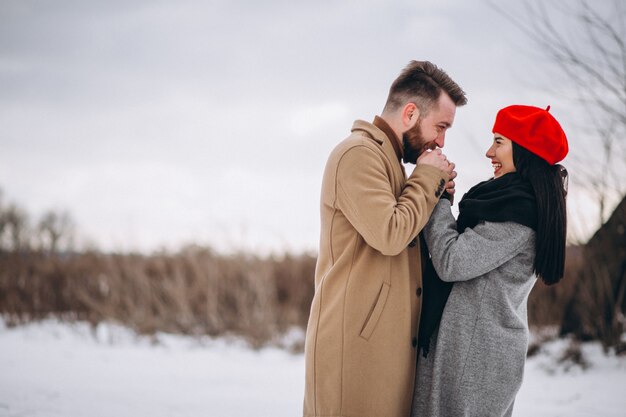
(56,369)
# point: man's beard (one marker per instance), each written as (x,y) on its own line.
(414,144)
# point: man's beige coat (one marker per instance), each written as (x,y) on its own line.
(361,336)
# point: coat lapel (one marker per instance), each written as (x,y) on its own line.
(398,173)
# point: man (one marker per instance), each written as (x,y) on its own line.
(362,333)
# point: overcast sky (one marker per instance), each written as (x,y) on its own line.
(157,124)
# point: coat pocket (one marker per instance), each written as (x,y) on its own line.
(377,310)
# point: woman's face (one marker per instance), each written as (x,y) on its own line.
(501,155)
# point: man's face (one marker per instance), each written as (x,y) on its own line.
(414,143)
(429,132)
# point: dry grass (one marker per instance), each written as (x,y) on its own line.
(197,291)
(194,291)
(547,304)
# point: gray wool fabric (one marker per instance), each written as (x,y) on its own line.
(476,360)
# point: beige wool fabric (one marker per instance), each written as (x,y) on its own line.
(361,336)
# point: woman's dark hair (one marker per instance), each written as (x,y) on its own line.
(550,185)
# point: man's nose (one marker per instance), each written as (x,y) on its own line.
(440,141)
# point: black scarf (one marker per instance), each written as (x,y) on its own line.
(508,198)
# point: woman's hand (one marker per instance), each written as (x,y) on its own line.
(450,186)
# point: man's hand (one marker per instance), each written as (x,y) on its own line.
(437,159)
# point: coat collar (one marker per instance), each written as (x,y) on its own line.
(370,130)
(374,132)
(380,123)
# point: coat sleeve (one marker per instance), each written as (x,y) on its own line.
(364,194)
(463,256)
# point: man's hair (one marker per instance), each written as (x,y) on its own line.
(421,82)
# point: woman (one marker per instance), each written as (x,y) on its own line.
(510,230)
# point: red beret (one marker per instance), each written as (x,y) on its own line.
(534,129)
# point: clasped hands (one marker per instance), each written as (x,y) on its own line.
(437,159)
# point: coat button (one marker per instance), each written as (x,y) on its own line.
(414,342)
(418,292)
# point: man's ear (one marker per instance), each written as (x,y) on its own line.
(410,115)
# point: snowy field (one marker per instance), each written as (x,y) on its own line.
(51,369)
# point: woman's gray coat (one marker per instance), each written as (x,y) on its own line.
(476,359)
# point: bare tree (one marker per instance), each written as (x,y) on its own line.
(55,231)
(585,42)
(15,233)
(3,220)
(14,229)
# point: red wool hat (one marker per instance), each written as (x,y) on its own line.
(534,129)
